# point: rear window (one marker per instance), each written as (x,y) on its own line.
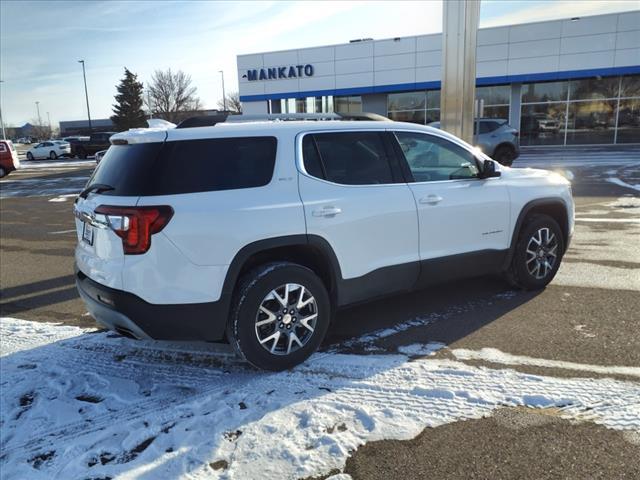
(187,166)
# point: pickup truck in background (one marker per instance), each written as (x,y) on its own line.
(84,148)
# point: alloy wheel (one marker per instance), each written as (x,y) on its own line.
(542,253)
(286,319)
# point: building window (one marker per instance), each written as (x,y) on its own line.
(629,121)
(352,104)
(421,107)
(579,112)
(493,102)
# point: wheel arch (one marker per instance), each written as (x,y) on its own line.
(311,251)
(555,207)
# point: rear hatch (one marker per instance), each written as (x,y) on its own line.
(103,211)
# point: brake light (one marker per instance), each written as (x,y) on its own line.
(135,225)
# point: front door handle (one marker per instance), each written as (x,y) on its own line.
(327,212)
(431,200)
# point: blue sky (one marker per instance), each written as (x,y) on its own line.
(41,41)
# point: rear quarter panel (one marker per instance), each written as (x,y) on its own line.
(209,228)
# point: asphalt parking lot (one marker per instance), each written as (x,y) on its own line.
(584,325)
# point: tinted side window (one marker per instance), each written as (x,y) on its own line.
(312,162)
(354,158)
(486,127)
(432,158)
(214,164)
(187,166)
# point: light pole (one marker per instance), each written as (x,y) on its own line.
(49,122)
(149,104)
(38,110)
(86,94)
(224,97)
(4,137)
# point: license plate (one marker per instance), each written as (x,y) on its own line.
(87,233)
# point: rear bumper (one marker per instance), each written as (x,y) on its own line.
(132,316)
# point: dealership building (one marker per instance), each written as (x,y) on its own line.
(561,82)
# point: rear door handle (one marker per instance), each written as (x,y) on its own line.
(431,200)
(327,212)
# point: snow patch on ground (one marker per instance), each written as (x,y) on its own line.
(496,356)
(36,164)
(420,349)
(80,405)
(622,183)
(17,335)
(626,204)
(63,198)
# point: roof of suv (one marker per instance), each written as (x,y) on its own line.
(258,128)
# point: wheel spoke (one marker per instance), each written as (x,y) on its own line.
(271,317)
(293,338)
(537,238)
(305,322)
(303,303)
(547,267)
(275,337)
(284,301)
(552,251)
(536,270)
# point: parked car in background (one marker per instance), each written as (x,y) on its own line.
(25,140)
(95,143)
(50,150)
(8,158)
(72,139)
(99,156)
(497,139)
(547,123)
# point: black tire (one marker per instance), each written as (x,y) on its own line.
(504,155)
(3,172)
(252,291)
(82,154)
(53,155)
(519,273)
(30,156)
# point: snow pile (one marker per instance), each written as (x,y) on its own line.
(79,405)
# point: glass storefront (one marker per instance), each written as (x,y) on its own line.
(580,112)
(302,105)
(543,124)
(629,121)
(493,102)
(573,112)
(352,104)
(421,107)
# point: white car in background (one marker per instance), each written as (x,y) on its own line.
(50,149)
(99,155)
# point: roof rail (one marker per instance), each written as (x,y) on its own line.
(211,120)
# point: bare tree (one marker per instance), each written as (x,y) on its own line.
(170,94)
(233,103)
(41,132)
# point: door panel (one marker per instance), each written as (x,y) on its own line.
(366,216)
(458,212)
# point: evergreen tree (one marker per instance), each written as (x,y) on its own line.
(128,109)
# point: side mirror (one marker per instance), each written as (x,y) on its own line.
(489,170)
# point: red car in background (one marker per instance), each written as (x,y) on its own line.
(8,158)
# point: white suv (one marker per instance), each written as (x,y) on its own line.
(260,230)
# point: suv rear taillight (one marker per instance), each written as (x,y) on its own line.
(135,225)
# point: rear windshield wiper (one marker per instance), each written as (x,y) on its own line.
(95,188)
